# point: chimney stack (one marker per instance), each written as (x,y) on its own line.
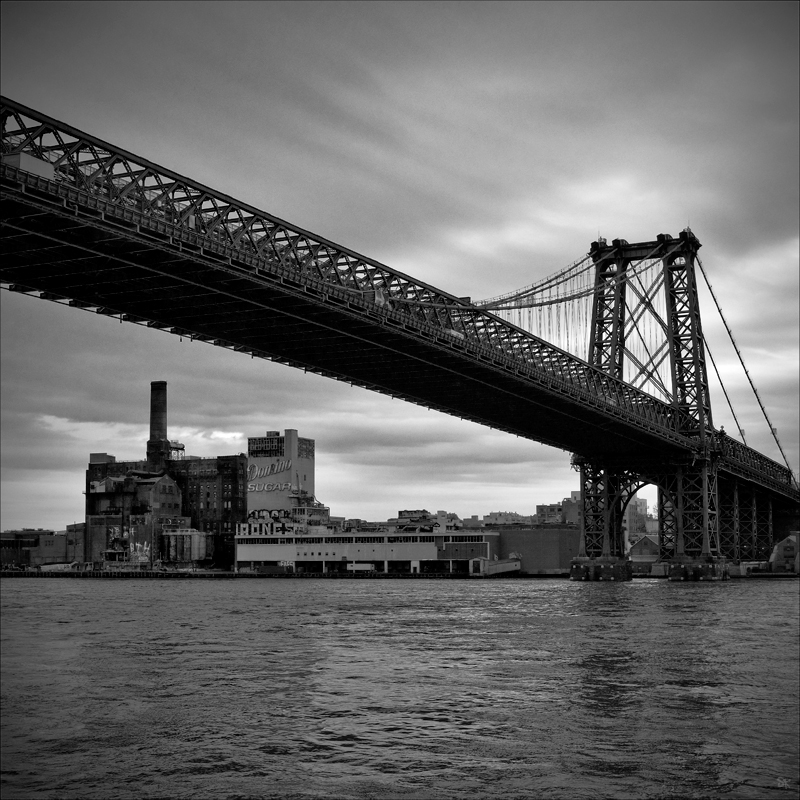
(158,448)
(158,410)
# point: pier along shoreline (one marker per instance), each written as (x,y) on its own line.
(207,575)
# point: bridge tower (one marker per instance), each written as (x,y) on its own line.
(689,537)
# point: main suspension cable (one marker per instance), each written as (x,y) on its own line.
(772,429)
(724,390)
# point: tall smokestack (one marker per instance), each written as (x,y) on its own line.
(158,449)
(158,410)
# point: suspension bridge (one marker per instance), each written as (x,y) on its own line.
(605,359)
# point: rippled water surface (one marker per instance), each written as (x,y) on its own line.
(399,689)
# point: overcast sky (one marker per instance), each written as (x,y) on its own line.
(475,146)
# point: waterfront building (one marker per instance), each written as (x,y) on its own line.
(37,547)
(785,556)
(279,469)
(281,483)
(259,511)
(214,500)
(131,504)
(32,547)
(546,550)
(279,546)
(125,514)
(644,553)
(76,542)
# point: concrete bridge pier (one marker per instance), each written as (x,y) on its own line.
(608,568)
(708,569)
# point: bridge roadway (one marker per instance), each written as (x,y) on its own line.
(88,245)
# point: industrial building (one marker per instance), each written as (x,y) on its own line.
(214,492)
(643,554)
(176,509)
(293,548)
(37,547)
(414,542)
(258,512)
(543,551)
(126,513)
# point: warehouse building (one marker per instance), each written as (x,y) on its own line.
(284,547)
(541,551)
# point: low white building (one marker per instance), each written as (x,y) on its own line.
(272,546)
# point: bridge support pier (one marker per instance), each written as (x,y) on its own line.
(600,569)
(604,494)
(714,569)
(689,523)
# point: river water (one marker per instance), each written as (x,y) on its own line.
(387,689)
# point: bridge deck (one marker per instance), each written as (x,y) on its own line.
(113,233)
(120,269)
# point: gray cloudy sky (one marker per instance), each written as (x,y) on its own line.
(475,146)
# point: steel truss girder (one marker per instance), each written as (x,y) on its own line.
(117,184)
(102,185)
(356,306)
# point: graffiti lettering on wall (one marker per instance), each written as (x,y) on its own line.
(132,541)
(254,471)
(271,514)
(140,551)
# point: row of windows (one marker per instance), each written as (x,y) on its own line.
(266,447)
(369,540)
(259,540)
(411,538)
(274,540)
(331,540)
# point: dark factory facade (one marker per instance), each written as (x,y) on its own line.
(132,507)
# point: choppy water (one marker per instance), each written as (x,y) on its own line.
(399,689)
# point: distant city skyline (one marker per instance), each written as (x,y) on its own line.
(477,147)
